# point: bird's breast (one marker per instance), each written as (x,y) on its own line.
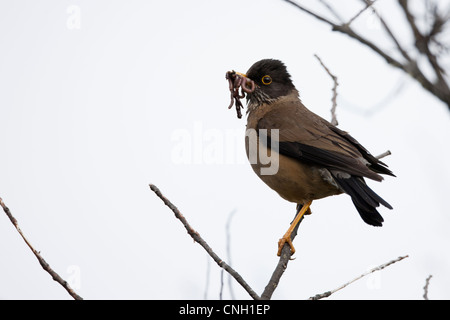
(292,179)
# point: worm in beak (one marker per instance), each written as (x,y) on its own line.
(238,80)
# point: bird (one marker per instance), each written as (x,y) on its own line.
(316,159)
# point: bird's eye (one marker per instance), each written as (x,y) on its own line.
(266,80)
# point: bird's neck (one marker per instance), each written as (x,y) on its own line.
(255,104)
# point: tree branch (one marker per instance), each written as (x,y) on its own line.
(346,29)
(334,90)
(41,260)
(425,288)
(280,268)
(440,89)
(381,267)
(369,4)
(276,276)
(422,43)
(331,10)
(388,31)
(197,238)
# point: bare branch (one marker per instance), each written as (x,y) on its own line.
(381,267)
(388,31)
(334,97)
(276,276)
(279,270)
(440,89)
(422,41)
(197,238)
(331,10)
(425,288)
(41,260)
(384,154)
(368,5)
(344,28)
(315,15)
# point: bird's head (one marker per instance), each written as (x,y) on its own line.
(272,81)
(266,81)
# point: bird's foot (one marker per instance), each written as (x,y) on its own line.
(288,235)
(282,241)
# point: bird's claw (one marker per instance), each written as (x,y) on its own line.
(282,242)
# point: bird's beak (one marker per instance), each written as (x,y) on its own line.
(241,74)
(247,84)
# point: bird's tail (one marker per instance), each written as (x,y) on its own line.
(365,199)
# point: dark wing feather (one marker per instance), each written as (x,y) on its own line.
(305,136)
(375,164)
(326,158)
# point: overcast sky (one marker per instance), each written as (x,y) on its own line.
(100,98)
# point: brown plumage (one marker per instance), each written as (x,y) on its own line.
(316,159)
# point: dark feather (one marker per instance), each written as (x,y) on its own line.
(320,143)
(375,164)
(326,158)
(365,199)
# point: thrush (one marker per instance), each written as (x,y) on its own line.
(315,158)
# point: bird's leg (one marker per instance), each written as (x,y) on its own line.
(287,236)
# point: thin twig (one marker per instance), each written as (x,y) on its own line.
(41,260)
(331,10)
(425,288)
(334,90)
(197,238)
(315,15)
(369,3)
(381,267)
(388,30)
(384,154)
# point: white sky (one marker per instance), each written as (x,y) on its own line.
(90,116)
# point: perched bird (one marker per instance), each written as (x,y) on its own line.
(316,159)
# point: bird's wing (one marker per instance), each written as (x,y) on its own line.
(306,136)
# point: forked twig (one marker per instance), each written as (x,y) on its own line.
(369,3)
(41,260)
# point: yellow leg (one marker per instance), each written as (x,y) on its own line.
(287,235)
